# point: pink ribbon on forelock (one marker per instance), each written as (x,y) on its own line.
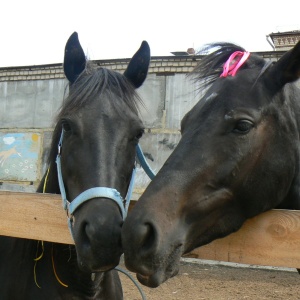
(234,62)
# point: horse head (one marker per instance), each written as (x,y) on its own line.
(238,156)
(94,141)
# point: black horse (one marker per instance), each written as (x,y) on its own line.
(94,142)
(239,155)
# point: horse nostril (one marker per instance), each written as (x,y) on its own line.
(148,237)
(87,233)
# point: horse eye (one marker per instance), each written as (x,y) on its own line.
(140,134)
(243,126)
(66,126)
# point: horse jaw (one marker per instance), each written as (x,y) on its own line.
(167,234)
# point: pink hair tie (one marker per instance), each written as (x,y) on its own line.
(234,62)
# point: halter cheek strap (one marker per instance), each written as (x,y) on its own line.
(143,162)
(98,192)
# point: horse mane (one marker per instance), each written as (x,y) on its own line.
(210,66)
(93,82)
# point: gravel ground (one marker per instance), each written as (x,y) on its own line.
(197,281)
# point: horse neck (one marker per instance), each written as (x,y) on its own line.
(291,94)
(51,185)
(60,261)
(64,264)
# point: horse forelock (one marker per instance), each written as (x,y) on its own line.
(211,65)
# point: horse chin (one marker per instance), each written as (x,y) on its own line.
(160,276)
(164,269)
(90,267)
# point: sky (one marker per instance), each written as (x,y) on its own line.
(35,32)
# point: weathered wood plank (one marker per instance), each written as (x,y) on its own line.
(273,238)
(33,216)
(270,239)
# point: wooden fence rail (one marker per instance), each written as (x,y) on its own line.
(272,238)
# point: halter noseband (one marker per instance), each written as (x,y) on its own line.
(98,192)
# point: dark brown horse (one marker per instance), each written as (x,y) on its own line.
(239,155)
(94,145)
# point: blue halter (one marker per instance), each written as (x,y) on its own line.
(97,192)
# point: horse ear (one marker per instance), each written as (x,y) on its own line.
(74,61)
(137,68)
(286,70)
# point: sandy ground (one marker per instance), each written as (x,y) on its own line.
(205,281)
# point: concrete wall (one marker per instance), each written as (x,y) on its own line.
(30,104)
(30,98)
